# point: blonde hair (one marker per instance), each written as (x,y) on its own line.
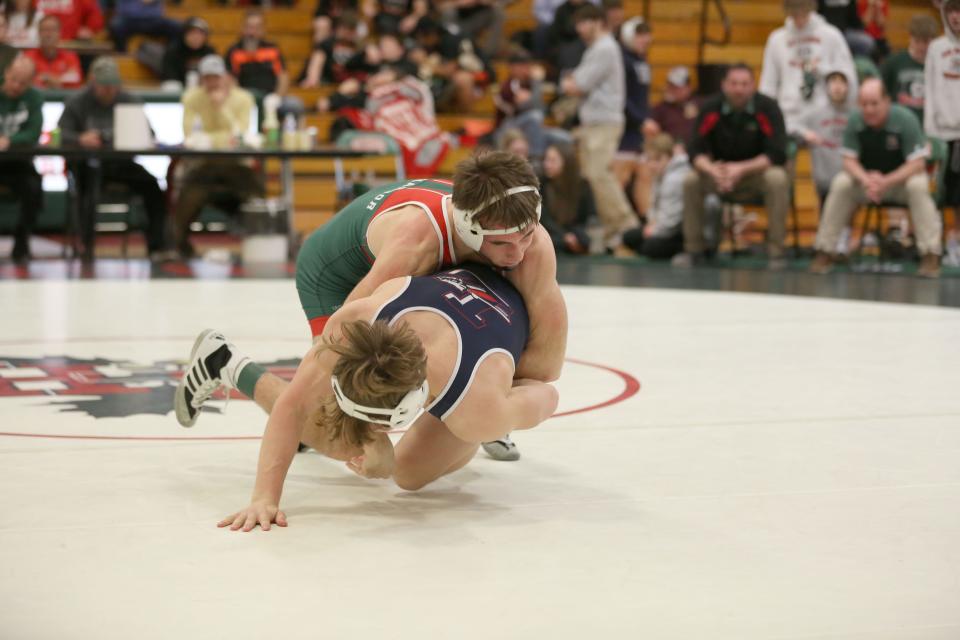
(378,365)
(661,145)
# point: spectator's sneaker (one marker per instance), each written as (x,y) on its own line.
(685,260)
(929,266)
(214,363)
(822,263)
(843,243)
(951,256)
(777,263)
(502,449)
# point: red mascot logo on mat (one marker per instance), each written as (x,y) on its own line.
(100,387)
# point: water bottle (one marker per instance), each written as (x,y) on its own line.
(289,132)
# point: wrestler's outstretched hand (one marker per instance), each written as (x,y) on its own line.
(257,513)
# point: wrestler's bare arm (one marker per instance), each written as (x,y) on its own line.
(496,404)
(291,416)
(279,444)
(407,249)
(536,279)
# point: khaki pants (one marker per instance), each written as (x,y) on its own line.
(597,144)
(847,195)
(773,185)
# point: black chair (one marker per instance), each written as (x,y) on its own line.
(112,212)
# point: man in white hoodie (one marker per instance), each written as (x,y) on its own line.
(941,117)
(796,58)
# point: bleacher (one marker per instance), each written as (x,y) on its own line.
(675,27)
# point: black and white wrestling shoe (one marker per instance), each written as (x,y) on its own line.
(213,364)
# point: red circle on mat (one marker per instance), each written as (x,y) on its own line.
(631,386)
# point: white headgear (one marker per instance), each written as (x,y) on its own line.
(399,417)
(472,233)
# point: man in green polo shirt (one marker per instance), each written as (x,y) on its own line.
(21,119)
(884,160)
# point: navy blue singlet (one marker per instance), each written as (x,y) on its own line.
(485,310)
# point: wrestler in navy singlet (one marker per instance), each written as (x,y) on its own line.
(486,311)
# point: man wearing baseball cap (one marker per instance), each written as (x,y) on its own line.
(678,111)
(219,110)
(87,121)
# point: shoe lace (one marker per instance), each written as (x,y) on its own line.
(204,391)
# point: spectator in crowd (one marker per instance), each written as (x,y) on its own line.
(132,17)
(635,39)
(387,53)
(392,53)
(329,58)
(599,80)
(328,12)
(221,111)
(256,63)
(795,58)
(676,114)
(544,12)
(615,16)
(884,156)
(396,16)
(823,129)
(23,20)
(515,142)
(661,237)
(902,72)
(7,52)
(181,58)
(564,45)
(843,14)
(874,15)
(739,151)
(519,102)
(456,73)
(566,200)
(79,19)
(941,115)
(56,68)
(480,21)
(87,121)
(21,119)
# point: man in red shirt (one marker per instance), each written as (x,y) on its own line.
(79,19)
(56,68)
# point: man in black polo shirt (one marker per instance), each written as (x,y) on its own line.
(738,150)
(884,160)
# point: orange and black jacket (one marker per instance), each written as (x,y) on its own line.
(257,69)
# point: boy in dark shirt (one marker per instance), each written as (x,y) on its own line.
(902,72)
